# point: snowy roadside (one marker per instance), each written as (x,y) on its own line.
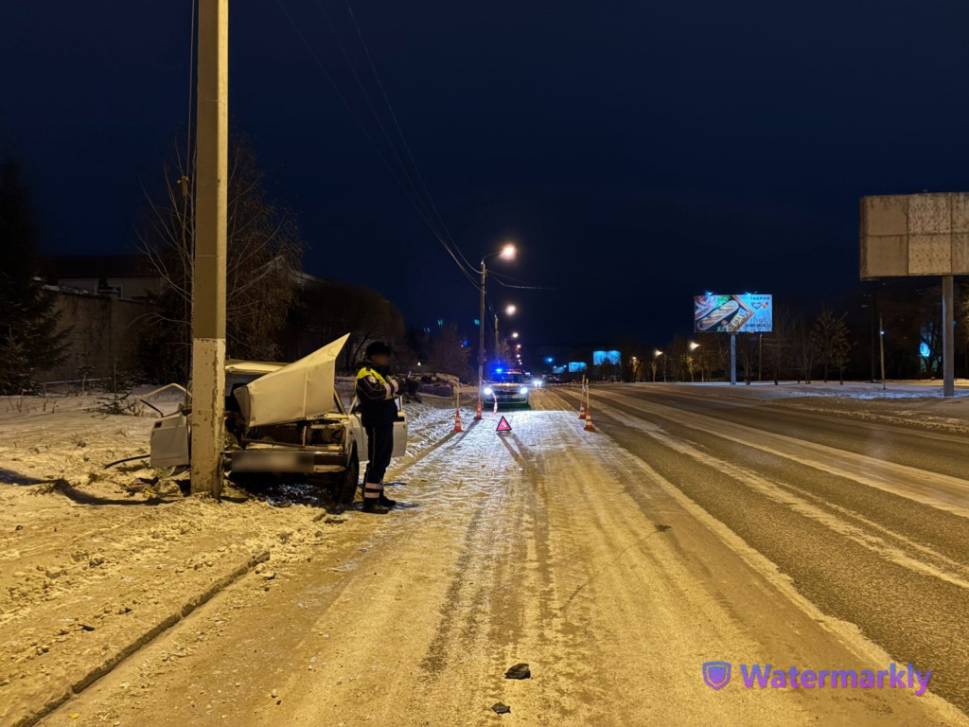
(95,562)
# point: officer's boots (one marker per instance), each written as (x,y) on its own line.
(374,500)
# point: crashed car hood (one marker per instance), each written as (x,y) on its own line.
(302,390)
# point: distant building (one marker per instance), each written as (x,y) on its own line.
(131,277)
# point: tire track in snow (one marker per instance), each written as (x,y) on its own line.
(915,617)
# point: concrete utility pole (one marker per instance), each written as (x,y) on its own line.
(208,283)
(497,339)
(948,337)
(481,337)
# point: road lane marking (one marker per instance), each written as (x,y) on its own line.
(941,491)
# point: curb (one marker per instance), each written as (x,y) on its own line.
(142,640)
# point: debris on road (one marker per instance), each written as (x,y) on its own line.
(499,708)
(518,671)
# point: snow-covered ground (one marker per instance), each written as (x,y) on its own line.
(742,523)
(95,560)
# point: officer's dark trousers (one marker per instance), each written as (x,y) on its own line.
(380,447)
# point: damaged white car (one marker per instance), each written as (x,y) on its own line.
(283,421)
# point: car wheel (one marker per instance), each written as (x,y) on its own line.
(346,488)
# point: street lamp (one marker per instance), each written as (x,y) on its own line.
(656,354)
(511,309)
(508,251)
(514,334)
(694,345)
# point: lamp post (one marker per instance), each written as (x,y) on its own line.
(693,347)
(510,310)
(881,347)
(507,252)
(656,354)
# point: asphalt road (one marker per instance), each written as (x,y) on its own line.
(693,525)
(867,519)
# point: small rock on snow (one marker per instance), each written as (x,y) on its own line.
(518,671)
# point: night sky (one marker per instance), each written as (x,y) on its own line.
(639,152)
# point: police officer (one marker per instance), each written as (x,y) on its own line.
(376,394)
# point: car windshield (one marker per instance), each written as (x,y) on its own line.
(509,378)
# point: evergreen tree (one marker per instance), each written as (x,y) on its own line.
(30,341)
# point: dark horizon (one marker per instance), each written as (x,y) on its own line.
(638,155)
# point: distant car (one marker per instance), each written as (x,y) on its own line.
(509,388)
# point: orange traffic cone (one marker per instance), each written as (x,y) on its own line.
(589,427)
(477,411)
(457,420)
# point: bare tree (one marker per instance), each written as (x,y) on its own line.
(327,309)
(829,339)
(448,354)
(264,251)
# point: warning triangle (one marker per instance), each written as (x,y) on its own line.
(503,425)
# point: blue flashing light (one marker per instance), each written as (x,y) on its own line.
(499,370)
(924,350)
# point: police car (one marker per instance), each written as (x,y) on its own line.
(509,387)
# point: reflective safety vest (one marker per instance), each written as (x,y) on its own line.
(366,371)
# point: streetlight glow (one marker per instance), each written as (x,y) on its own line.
(657,353)
(508,251)
(511,309)
(514,334)
(694,345)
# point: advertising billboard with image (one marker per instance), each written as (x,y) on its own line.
(746,313)
(600,357)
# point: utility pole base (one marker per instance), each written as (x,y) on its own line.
(208,401)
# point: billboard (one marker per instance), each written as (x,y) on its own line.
(576,366)
(914,234)
(601,357)
(746,313)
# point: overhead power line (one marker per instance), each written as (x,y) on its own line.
(411,183)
